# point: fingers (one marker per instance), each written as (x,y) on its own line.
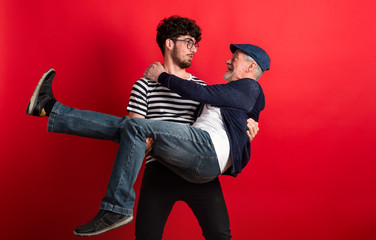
(149,72)
(153,71)
(252,128)
(149,145)
(250,136)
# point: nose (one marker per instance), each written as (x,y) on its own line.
(228,62)
(194,49)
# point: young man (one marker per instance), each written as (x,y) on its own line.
(161,188)
(177,38)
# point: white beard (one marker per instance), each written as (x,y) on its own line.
(228,76)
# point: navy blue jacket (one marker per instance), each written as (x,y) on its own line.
(238,101)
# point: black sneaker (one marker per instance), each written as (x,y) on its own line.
(42,94)
(104,221)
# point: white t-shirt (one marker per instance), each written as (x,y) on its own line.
(211,121)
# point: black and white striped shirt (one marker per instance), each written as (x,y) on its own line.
(156,102)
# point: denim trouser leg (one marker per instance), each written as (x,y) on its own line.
(186,150)
(64,119)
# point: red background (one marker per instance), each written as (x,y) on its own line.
(312,174)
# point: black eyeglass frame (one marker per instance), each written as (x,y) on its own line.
(189,42)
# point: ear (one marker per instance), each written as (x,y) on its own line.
(169,44)
(251,67)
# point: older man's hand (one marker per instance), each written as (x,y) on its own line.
(153,71)
(252,128)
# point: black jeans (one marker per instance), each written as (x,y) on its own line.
(161,188)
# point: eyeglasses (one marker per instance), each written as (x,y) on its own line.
(190,42)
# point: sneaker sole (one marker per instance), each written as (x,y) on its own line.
(117,225)
(33,99)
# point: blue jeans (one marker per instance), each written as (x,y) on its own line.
(186,150)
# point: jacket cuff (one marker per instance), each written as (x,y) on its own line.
(163,78)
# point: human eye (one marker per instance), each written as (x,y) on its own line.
(189,43)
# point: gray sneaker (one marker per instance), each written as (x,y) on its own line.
(104,221)
(41,95)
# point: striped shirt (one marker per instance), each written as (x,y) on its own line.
(153,101)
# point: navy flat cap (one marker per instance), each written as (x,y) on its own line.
(255,52)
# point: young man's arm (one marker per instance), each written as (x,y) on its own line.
(149,141)
(135,115)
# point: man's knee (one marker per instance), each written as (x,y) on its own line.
(131,126)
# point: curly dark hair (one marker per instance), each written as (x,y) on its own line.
(174,27)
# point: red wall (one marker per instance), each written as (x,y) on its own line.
(312,171)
